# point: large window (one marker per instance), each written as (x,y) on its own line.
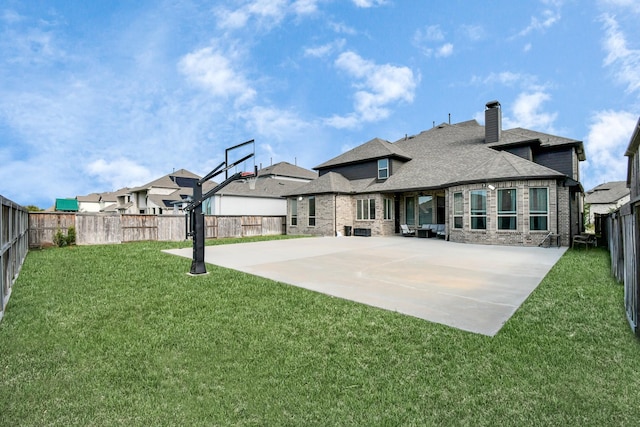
(365,209)
(458,210)
(538,209)
(383,168)
(425,210)
(410,211)
(478,209)
(388,208)
(312,211)
(294,211)
(507,213)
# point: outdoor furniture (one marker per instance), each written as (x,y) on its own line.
(363,232)
(441,231)
(585,239)
(406,231)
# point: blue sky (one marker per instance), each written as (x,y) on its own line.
(99,95)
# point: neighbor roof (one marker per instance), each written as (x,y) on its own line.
(286,169)
(607,193)
(175,180)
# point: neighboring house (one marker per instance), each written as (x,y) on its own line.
(262,195)
(486,184)
(606,197)
(167,195)
(98,202)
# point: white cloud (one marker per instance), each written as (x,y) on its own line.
(605,145)
(624,62)
(119,173)
(425,37)
(342,28)
(527,113)
(305,7)
(378,86)
(326,49)
(429,33)
(632,5)
(445,50)
(369,3)
(265,13)
(548,19)
(213,71)
(473,32)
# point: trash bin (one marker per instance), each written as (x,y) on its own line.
(347,230)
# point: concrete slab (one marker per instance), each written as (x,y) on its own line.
(475,288)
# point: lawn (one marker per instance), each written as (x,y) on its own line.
(121,335)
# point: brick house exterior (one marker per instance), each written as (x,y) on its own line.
(484,184)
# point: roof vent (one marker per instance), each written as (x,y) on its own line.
(492,122)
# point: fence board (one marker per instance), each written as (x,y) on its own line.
(100,228)
(14,244)
(137,228)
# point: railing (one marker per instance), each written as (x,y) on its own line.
(14,245)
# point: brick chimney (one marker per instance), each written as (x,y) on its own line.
(492,122)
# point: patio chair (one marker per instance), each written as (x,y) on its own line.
(406,231)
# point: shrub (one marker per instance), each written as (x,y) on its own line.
(62,240)
(59,239)
(71,236)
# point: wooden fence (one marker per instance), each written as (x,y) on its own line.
(622,235)
(14,223)
(97,228)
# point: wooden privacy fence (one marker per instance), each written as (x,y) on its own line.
(98,228)
(622,236)
(14,223)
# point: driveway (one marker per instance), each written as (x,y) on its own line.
(475,288)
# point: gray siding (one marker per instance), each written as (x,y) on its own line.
(355,171)
(558,159)
(524,152)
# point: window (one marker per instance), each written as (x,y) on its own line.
(410,211)
(312,211)
(383,168)
(388,208)
(507,214)
(425,210)
(294,212)
(478,209)
(538,209)
(365,209)
(458,210)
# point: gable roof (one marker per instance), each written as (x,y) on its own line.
(175,180)
(375,149)
(607,193)
(519,136)
(440,157)
(286,169)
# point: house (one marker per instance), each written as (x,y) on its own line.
(485,184)
(98,202)
(166,195)
(259,195)
(606,198)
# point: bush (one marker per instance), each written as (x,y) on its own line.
(61,240)
(71,236)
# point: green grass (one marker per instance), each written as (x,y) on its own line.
(121,335)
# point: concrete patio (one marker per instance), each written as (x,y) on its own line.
(475,288)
